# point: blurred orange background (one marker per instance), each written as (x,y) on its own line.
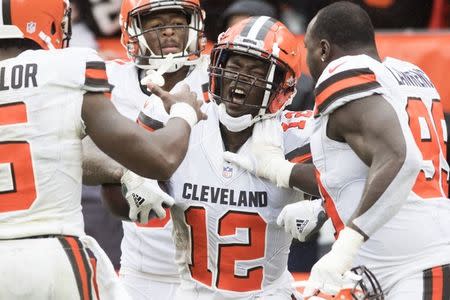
(428,50)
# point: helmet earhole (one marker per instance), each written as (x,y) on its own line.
(53,28)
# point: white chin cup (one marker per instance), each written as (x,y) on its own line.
(234,124)
(155,76)
(170,63)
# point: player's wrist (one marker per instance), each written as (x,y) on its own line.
(348,243)
(131,180)
(283,173)
(117,174)
(184,111)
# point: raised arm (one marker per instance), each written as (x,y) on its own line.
(153,155)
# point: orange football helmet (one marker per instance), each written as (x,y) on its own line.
(263,38)
(133,39)
(46,22)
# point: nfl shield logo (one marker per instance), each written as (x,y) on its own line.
(31,27)
(227,171)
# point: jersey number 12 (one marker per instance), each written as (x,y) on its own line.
(228,253)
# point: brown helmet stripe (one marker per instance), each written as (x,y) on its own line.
(6,12)
(247,27)
(261,35)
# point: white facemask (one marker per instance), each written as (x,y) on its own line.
(234,124)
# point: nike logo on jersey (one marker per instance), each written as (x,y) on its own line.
(222,196)
(331,70)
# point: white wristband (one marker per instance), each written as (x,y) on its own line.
(284,170)
(184,111)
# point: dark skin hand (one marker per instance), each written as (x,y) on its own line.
(111,195)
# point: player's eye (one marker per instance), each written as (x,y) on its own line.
(156,25)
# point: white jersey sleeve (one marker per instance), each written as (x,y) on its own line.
(79,68)
(297,128)
(346,79)
(127,95)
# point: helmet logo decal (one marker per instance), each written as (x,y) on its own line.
(31,27)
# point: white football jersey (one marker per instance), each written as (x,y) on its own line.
(228,245)
(41,95)
(418,237)
(148,248)
(127,95)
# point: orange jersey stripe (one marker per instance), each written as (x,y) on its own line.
(85,281)
(206,97)
(145,126)
(343,84)
(13,113)
(108,95)
(437,283)
(302,158)
(330,208)
(96,74)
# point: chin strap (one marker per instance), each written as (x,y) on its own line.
(234,124)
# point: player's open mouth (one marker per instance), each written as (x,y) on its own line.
(238,95)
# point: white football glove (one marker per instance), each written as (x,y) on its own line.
(302,219)
(144,195)
(327,275)
(267,159)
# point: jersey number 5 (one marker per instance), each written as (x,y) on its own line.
(17,187)
(430,134)
(228,253)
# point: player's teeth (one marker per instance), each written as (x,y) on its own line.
(239,91)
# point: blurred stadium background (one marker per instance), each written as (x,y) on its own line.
(413,30)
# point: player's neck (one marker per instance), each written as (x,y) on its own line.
(369,51)
(171,79)
(10,53)
(233,141)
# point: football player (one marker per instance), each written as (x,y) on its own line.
(228,244)
(50,98)
(379,149)
(164,42)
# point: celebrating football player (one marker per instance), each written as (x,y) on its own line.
(228,244)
